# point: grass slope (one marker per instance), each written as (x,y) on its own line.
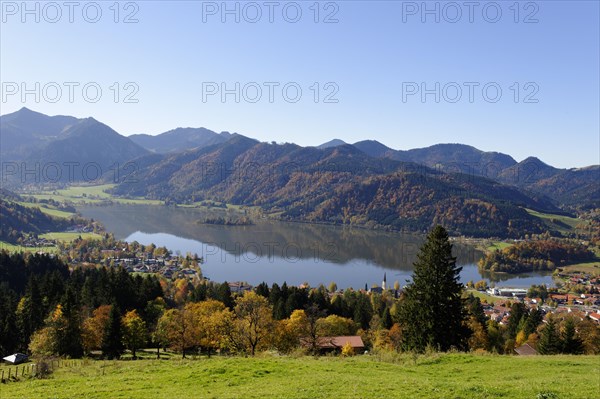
(5,246)
(91,195)
(48,210)
(435,376)
(68,237)
(561,223)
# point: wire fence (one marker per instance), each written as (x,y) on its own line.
(13,373)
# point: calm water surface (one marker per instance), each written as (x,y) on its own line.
(274,251)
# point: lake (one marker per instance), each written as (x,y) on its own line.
(273,251)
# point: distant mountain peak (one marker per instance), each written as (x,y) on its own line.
(332,143)
(372,148)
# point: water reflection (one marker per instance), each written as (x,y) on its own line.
(274,251)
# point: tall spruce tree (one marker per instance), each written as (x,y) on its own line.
(549,343)
(571,343)
(69,337)
(112,346)
(432,312)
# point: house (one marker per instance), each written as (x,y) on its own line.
(595,317)
(239,286)
(526,350)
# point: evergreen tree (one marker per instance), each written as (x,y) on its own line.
(69,338)
(30,312)
(8,325)
(386,319)
(570,342)
(432,312)
(112,346)
(549,343)
(534,319)
(475,309)
(363,311)
(224,295)
(279,310)
(517,318)
(263,289)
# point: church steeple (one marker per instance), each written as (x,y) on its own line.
(384,281)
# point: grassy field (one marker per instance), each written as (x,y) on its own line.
(482,295)
(563,224)
(405,376)
(48,210)
(91,195)
(592,268)
(68,237)
(18,248)
(498,245)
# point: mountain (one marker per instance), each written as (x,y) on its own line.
(35,123)
(527,172)
(91,147)
(571,188)
(27,130)
(180,139)
(52,149)
(340,185)
(456,158)
(331,144)
(49,140)
(374,148)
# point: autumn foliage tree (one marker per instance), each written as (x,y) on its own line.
(253,326)
(175,330)
(134,331)
(92,331)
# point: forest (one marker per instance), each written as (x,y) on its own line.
(50,309)
(533,255)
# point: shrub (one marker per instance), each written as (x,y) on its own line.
(347,350)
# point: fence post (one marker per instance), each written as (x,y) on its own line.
(9,373)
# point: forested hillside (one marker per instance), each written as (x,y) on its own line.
(340,185)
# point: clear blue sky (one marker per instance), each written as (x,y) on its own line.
(371,55)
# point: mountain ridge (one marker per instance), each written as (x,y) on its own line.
(88,140)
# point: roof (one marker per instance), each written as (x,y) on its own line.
(526,350)
(355,341)
(16,358)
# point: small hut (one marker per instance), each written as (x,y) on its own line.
(17,358)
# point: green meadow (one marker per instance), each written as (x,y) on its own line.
(19,248)
(91,195)
(563,224)
(389,376)
(68,237)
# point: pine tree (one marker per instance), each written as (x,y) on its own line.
(534,319)
(30,312)
(386,319)
(432,312)
(517,319)
(69,339)
(549,343)
(8,324)
(224,295)
(570,342)
(112,346)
